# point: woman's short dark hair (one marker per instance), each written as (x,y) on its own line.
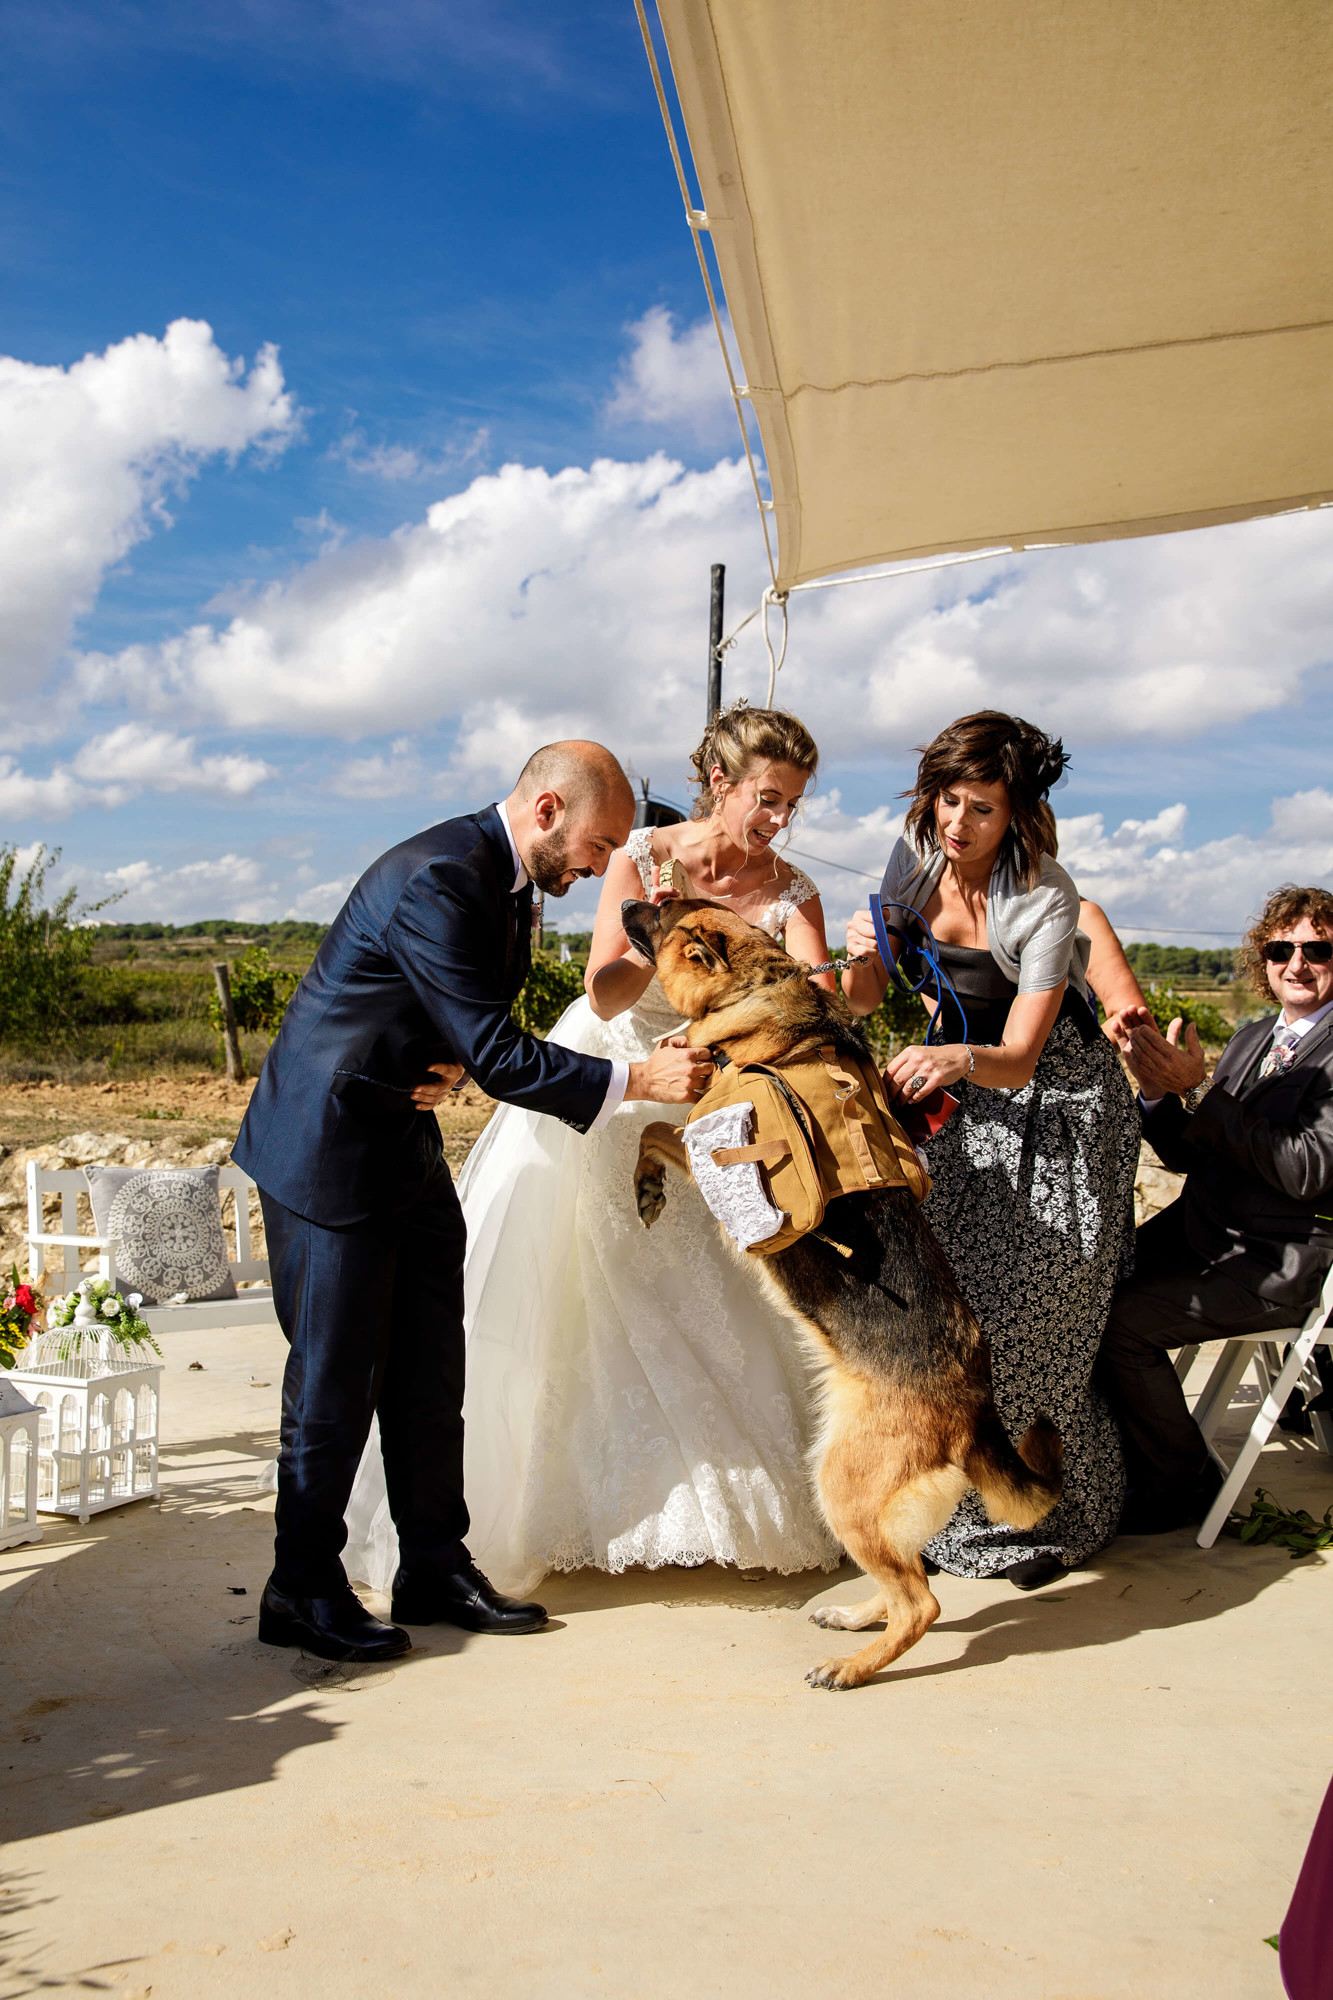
(991,748)
(1282,912)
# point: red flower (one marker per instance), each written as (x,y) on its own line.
(25,1299)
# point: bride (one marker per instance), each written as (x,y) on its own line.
(632,1398)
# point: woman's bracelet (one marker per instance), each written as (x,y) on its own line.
(971,1061)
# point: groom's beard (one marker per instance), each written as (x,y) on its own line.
(549,863)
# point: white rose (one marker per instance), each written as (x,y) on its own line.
(134,1301)
(109,1309)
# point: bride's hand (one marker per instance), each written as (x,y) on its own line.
(427,1095)
(660,893)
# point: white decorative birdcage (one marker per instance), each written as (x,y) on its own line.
(20,1424)
(98,1402)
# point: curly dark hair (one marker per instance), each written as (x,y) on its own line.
(991,748)
(1282,912)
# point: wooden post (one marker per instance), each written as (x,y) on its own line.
(718,592)
(231,1040)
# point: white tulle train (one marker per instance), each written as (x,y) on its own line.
(631,1396)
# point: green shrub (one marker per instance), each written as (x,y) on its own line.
(1166,1005)
(900,1021)
(260,991)
(43,952)
(550,988)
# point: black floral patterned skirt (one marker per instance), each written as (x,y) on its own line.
(1033,1203)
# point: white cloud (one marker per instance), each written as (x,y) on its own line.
(1145,875)
(674,381)
(398,462)
(228,885)
(1149,881)
(530,605)
(90,451)
(111,769)
(380,776)
(533,604)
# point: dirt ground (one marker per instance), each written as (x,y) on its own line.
(165,1121)
(181,1121)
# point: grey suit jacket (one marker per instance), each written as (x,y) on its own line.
(1258,1157)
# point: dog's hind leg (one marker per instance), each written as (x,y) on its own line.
(888,1548)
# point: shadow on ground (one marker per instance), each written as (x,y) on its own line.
(134,1677)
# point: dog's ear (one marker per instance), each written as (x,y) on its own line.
(708,951)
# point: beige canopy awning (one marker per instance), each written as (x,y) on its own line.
(1010,272)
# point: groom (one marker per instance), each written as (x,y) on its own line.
(417,974)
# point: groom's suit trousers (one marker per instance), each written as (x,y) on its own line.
(373,1315)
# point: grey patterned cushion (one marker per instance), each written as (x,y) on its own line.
(166,1223)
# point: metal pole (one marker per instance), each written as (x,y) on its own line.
(719,579)
(230,1039)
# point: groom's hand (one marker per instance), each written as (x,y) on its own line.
(674,1074)
(427,1095)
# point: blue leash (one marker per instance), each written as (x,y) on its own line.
(933,973)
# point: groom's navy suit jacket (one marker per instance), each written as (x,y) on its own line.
(421,965)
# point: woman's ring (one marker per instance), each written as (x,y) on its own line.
(916,1082)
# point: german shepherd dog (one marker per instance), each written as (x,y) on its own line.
(908,1418)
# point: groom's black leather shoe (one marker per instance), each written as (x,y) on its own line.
(333,1628)
(461,1595)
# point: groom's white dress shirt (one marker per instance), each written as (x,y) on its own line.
(619,1084)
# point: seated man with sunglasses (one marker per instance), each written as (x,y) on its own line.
(1247,1245)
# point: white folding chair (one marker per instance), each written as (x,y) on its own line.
(1280,1380)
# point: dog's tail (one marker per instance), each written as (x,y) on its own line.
(1016,1487)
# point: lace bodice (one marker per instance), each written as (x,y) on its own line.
(775,916)
(652,1017)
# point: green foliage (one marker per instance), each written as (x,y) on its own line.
(899,1021)
(1179,961)
(1297,1531)
(117,1314)
(550,988)
(43,952)
(260,991)
(1166,1005)
(287,937)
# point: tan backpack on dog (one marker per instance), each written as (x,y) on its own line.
(821,1128)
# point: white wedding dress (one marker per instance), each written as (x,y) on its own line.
(632,1398)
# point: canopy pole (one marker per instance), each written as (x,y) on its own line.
(717,595)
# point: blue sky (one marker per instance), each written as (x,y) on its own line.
(242,654)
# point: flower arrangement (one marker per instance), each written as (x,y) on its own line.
(20,1305)
(95,1309)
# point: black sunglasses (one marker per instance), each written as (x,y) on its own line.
(1281,951)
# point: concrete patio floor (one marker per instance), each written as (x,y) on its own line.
(1104,1789)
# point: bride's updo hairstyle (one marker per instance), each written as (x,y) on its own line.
(991,748)
(737,738)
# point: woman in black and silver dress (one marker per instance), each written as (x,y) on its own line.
(1033,1195)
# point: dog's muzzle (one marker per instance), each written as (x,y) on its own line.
(643,927)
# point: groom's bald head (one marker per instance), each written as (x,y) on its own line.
(570,810)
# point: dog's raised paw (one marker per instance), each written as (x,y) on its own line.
(650,1194)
